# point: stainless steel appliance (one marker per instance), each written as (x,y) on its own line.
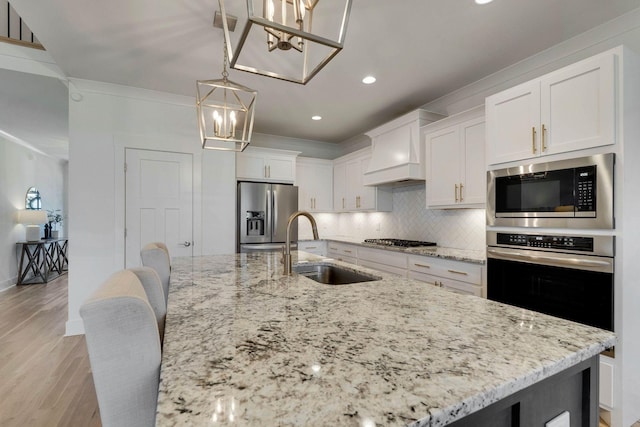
(399,242)
(575,193)
(565,276)
(263,211)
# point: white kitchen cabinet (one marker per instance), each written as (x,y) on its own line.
(383,260)
(349,192)
(569,109)
(266,165)
(317,247)
(343,252)
(455,147)
(456,276)
(314,178)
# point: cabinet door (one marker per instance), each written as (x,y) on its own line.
(366,196)
(353,184)
(473,172)
(578,106)
(513,118)
(304,181)
(250,166)
(323,188)
(314,178)
(443,157)
(339,187)
(281,168)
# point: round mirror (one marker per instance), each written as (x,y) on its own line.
(32,200)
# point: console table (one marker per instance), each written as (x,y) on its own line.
(42,260)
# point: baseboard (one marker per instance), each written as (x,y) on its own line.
(74,327)
(8,284)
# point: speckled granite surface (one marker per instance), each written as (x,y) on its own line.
(476,257)
(247,346)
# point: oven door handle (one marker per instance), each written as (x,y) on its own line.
(577,262)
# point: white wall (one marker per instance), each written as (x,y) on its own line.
(105,119)
(21,168)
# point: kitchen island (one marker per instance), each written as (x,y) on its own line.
(245,345)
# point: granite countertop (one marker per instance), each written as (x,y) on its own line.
(466,255)
(245,345)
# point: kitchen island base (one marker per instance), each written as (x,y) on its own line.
(574,390)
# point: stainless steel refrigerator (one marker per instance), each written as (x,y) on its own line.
(263,211)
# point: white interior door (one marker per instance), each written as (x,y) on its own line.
(158,202)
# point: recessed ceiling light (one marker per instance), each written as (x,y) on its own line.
(483,1)
(369,80)
(316,118)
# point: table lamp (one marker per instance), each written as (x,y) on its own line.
(32,219)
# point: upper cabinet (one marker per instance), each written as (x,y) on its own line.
(454,156)
(314,178)
(566,110)
(349,192)
(266,165)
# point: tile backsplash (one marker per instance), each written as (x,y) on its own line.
(410,219)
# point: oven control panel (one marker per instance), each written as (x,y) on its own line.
(573,243)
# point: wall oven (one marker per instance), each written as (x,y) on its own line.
(575,193)
(564,276)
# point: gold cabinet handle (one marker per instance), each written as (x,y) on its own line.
(311,247)
(421,265)
(265,171)
(347,251)
(455,192)
(458,272)
(461,187)
(343,203)
(544,147)
(269,169)
(533,140)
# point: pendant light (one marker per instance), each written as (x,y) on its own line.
(279,40)
(225,112)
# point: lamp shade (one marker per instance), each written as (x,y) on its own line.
(32,217)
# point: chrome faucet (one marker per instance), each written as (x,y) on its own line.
(286,256)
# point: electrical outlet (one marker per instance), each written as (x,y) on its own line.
(562,420)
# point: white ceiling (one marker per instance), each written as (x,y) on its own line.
(419,50)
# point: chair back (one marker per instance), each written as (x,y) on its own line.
(156,256)
(124,351)
(150,281)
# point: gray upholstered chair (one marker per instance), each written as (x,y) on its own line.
(155,294)
(124,351)
(156,256)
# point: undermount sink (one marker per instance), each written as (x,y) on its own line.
(330,274)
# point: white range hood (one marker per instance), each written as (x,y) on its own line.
(397,153)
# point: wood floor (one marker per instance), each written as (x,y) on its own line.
(45,378)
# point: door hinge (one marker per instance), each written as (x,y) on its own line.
(125,233)
(125,167)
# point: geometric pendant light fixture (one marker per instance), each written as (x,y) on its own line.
(290,40)
(225,112)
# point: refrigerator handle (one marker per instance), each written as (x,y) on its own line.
(274,224)
(269,220)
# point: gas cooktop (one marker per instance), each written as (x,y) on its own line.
(399,242)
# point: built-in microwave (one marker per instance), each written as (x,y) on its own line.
(575,193)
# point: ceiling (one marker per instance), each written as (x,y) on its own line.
(419,50)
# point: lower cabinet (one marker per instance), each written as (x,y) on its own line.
(316,247)
(387,261)
(343,252)
(456,276)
